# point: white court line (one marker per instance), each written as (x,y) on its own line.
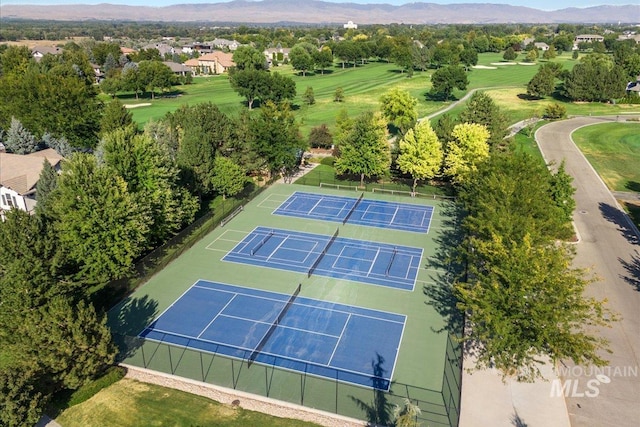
(339,339)
(394,215)
(315,206)
(373,262)
(280,325)
(216,316)
(276,249)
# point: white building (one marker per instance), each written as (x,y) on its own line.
(350,25)
(19,175)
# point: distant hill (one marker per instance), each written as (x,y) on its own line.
(320,12)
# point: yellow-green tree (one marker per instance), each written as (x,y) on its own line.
(468,148)
(399,107)
(421,153)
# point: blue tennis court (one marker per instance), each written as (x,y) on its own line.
(373,213)
(342,258)
(320,338)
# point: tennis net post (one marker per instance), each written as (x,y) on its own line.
(323,253)
(355,205)
(274,325)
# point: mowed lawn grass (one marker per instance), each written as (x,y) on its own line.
(129,403)
(363,86)
(613,149)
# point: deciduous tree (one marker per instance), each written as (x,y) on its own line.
(100,225)
(308,96)
(301,57)
(399,108)
(228,178)
(421,153)
(115,116)
(249,58)
(276,138)
(364,150)
(445,79)
(483,110)
(468,148)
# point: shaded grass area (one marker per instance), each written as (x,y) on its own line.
(614,151)
(132,403)
(633,209)
(69,398)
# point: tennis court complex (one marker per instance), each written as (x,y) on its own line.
(361,211)
(336,304)
(302,334)
(331,256)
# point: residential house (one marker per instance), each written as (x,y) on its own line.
(201,48)
(216,62)
(19,175)
(225,44)
(127,51)
(276,54)
(163,48)
(541,46)
(633,87)
(586,38)
(527,41)
(98,72)
(178,69)
(39,51)
(629,36)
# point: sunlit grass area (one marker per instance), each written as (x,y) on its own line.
(130,403)
(613,149)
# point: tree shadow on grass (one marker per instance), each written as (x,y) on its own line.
(633,268)
(619,218)
(633,186)
(379,411)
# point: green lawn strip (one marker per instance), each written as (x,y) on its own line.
(132,403)
(613,149)
(326,174)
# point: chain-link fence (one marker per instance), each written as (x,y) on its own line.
(438,407)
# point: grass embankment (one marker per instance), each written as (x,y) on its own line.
(613,149)
(132,403)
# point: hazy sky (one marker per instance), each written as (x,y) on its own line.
(538,4)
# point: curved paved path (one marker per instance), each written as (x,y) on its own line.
(608,246)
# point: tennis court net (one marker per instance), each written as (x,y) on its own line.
(393,256)
(355,205)
(274,325)
(323,253)
(261,243)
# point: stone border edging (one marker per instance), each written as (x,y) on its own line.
(247,401)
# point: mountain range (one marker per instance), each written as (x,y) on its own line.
(320,12)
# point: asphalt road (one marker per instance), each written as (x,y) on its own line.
(609,248)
